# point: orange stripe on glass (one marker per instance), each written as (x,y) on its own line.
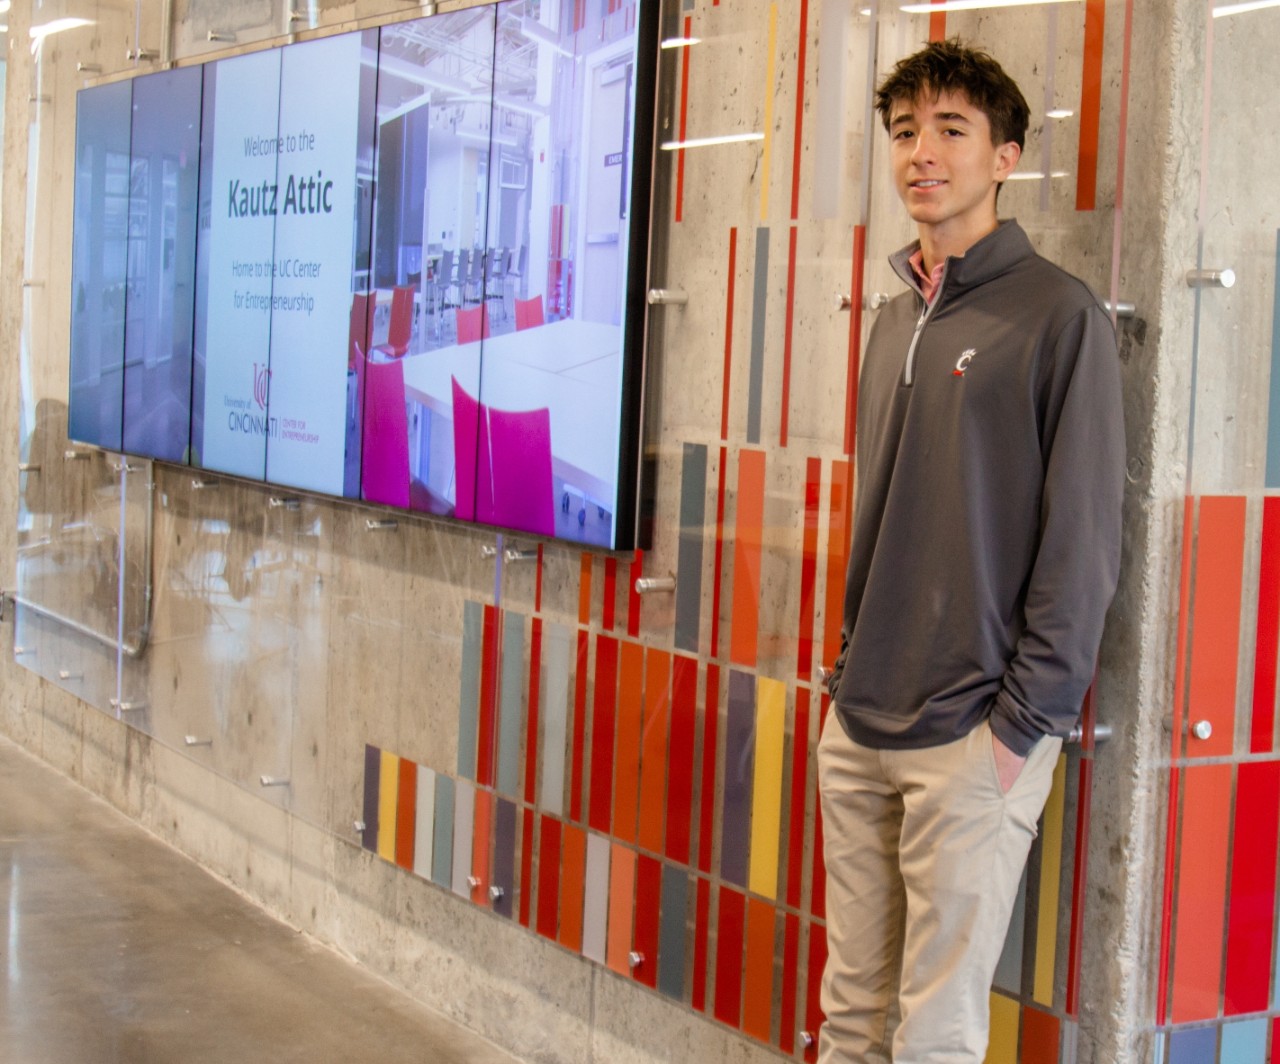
(573,882)
(480,846)
(1095,15)
(653,743)
(406,813)
(626,796)
(1215,624)
(757,1001)
(622,893)
(684,116)
(747,549)
(1200,902)
(937,24)
(839,529)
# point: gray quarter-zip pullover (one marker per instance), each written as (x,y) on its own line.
(989,480)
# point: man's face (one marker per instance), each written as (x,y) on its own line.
(945,167)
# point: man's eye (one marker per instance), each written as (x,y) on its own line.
(902,134)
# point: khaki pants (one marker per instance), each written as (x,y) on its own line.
(924,854)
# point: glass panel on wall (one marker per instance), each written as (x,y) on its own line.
(160,301)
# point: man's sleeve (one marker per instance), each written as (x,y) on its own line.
(1077,561)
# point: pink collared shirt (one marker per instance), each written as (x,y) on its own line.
(928,281)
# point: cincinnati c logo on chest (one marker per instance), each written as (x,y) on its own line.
(962,363)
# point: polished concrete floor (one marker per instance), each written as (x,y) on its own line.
(114,948)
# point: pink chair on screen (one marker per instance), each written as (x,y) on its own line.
(400,330)
(384,449)
(502,462)
(529,313)
(472,324)
(361,329)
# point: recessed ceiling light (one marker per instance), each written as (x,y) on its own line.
(707,142)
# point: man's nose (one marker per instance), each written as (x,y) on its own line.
(924,150)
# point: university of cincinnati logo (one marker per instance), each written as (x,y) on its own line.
(962,363)
(261,381)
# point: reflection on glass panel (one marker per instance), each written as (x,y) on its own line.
(235,251)
(326,110)
(434,86)
(99,253)
(161,275)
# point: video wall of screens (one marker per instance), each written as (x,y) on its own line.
(405,265)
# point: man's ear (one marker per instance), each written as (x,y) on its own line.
(1007,156)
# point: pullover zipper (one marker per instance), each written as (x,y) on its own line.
(909,373)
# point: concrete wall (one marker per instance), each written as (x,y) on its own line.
(294,639)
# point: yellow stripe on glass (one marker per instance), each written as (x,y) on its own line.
(388,791)
(1003,1045)
(769,89)
(1050,887)
(766,791)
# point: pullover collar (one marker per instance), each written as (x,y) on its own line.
(998,251)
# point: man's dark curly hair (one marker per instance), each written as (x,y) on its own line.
(951,67)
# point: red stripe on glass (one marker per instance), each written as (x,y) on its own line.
(799,793)
(1079,877)
(757,1004)
(684,723)
(855,336)
(526,868)
(633,596)
(1095,16)
(684,117)
(728,331)
(549,878)
(608,606)
(1251,921)
(602,732)
(535,702)
(1262,726)
(809,568)
(1215,622)
(1201,900)
(573,885)
(801,51)
(579,728)
(653,747)
(488,698)
(647,920)
(406,812)
(790,983)
(813,997)
(730,927)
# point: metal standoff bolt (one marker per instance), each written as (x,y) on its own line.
(203,485)
(844,301)
(1202,729)
(877,300)
(217,35)
(194,740)
(488,551)
(428,7)
(807,1039)
(126,707)
(1122,309)
(123,466)
(67,674)
(39,99)
(141,54)
(72,454)
(473,882)
(273,781)
(88,68)
(515,554)
(668,297)
(1211,278)
(635,958)
(381,524)
(29,283)
(21,652)
(28,467)
(1101,733)
(296,16)
(647,584)
(496,893)
(360,826)
(824,674)
(289,503)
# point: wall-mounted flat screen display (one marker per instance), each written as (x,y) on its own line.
(419,258)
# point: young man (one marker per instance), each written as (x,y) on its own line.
(986,545)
